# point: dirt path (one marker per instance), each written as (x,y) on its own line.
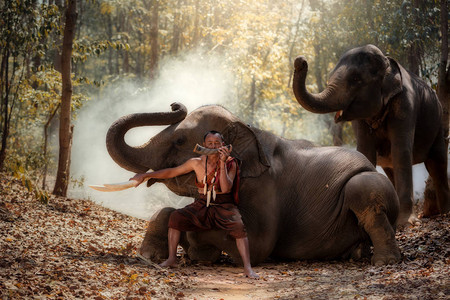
(331,280)
(74,249)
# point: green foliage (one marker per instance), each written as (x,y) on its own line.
(83,48)
(22,26)
(39,97)
(257,41)
(31,88)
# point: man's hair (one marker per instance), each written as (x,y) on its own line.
(215,133)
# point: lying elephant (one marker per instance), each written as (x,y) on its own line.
(297,201)
(396,116)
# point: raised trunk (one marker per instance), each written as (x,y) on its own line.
(324,102)
(131,158)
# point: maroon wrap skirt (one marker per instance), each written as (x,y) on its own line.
(222,213)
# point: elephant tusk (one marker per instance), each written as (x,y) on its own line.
(206,151)
(114,187)
(338,116)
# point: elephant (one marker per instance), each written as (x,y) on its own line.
(297,200)
(396,118)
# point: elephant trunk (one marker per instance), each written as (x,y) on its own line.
(324,102)
(131,158)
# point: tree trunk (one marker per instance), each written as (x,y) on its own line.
(57,55)
(196,33)
(414,53)
(126,61)
(317,66)
(154,42)
(109,32)
(370,19)
(65,128)
(4,93)
(414,58)
(337,133)
(126,57)
(176,30)
(36,57)
(293,43)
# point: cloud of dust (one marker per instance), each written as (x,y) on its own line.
(193,80)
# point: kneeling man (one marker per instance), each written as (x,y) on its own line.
(214,207)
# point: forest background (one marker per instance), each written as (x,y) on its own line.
(142,55)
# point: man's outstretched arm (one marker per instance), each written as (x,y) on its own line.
(185,168)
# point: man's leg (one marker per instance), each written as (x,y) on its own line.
(173,238)
(244,251)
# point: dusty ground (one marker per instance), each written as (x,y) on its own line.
(75,249)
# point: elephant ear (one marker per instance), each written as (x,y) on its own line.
(392,81)
(247,149)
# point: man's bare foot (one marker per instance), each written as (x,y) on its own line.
(251,274)
(170,262)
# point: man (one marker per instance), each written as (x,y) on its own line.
(214,207)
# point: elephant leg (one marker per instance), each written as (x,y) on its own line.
(374,201)
(402,166)
(155,243)
(390,174)
(436,165)
(200,246)
(365,140)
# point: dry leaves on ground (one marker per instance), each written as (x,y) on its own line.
(75,249)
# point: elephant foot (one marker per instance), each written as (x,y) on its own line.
(386,259)
(154,249)
(407,220)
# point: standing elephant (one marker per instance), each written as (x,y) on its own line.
(396,117)
(297,201)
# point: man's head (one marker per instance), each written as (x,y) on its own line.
(213,139)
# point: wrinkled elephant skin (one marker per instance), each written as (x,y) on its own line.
(297,201)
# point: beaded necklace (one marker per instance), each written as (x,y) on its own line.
(207,191)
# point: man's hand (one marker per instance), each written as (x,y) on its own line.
(140,178)
(224,153)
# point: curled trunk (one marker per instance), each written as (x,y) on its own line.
(132,158)
(324,102)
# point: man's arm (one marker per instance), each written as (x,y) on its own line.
(185,168)
(227,176)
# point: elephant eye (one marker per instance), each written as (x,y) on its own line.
(355,79)
(180,141)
